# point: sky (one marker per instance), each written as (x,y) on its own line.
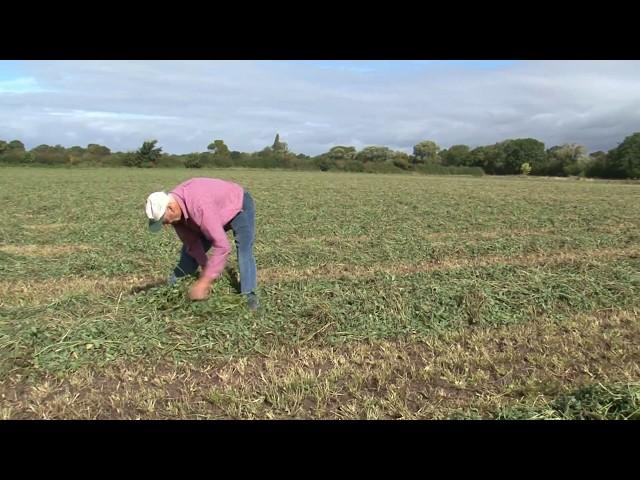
(317,104)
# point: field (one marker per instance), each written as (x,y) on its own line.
(384,296)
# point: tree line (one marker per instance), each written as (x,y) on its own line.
(520,156)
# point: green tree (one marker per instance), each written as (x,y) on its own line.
(567,159)
(341,153)
(148,154)
(519,151)
(16,145)
(56,155)
(598,165)
(192,161)
(402,160)
(98,150)
(76,151)
(219,148)
(489,157)
(323,163)
(624,160)
(279,146)
(12,152)
(456,155)
(426,152)
(375,154)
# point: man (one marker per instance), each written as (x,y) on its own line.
(202,210)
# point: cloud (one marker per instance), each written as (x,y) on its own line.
(19,85)
(315,105)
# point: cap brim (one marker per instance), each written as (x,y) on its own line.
(154,226)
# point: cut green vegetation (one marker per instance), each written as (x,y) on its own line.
(383,296)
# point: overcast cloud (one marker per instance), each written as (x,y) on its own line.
(315,105)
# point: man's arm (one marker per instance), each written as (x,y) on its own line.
(213,229)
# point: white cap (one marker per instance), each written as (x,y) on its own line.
(156,207)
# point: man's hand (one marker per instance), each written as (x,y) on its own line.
(200,289)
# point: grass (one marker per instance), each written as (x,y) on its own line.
(383,297)
(592,402)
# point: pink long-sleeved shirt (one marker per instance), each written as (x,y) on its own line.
(208,205)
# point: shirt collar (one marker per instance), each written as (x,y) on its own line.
(183,208)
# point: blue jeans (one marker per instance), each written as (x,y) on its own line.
(244,228)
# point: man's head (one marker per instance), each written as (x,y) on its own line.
(162,209)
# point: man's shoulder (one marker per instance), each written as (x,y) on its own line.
(193,182)
(198,186)
(203,180)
